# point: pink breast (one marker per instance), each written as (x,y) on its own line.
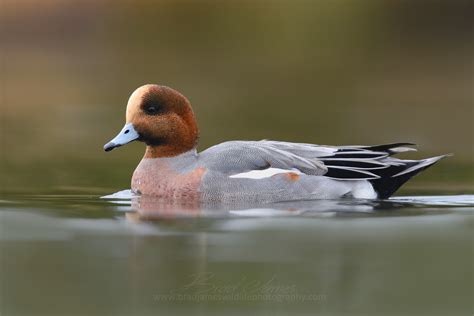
(154,177)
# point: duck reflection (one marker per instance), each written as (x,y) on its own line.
(151,208)
(144,208)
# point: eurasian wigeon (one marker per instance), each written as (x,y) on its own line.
(260,171)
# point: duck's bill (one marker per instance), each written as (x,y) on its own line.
(127,134)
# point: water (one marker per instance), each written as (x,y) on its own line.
(77,254)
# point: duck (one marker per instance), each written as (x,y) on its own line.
(250,171)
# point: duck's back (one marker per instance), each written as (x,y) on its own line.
(281,171)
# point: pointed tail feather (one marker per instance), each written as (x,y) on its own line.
(386,186)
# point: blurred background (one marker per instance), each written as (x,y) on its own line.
(322,71)
(325,72)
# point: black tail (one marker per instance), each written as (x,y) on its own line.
(392,178)
(374,164)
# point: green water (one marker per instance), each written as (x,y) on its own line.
(76,254)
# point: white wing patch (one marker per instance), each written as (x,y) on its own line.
(262,174)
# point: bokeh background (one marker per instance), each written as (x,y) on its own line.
(321,71)
(327,72)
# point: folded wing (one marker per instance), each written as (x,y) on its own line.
(346,163)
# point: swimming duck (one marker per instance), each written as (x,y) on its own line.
(249,171)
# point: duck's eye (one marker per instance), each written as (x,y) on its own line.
(151,110)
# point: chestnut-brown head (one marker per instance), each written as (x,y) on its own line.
(162,118)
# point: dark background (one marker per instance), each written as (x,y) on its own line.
(326,72)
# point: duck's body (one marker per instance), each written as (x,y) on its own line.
(243,171)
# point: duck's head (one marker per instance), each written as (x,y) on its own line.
(162,118)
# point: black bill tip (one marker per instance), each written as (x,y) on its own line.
(110,146)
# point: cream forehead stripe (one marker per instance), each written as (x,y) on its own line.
(134,101)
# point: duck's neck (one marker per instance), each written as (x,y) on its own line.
(167,151)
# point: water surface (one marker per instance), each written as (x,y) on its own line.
(76,254)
